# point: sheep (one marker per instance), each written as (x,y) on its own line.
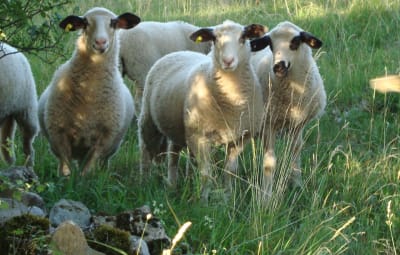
(18,103)
(87,109)
(198,101)
(142,46)
(293,90)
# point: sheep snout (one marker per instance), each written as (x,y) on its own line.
(228,62)
(281,69)
(101,45)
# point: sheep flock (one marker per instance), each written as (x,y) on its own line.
(196,88)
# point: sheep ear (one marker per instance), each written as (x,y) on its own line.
(203,35)
(254,31)
(260,43)
(310,40)
(72,23)
(125,21)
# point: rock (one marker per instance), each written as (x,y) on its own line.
(33,199)
(19,173)
(15,208)
(65,210)
(137,244)
(140,222)
(68,239)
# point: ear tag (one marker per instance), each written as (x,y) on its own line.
(199,39)
(68,27)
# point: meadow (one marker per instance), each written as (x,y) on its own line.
(350,202)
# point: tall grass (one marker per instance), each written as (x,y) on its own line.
(350,202)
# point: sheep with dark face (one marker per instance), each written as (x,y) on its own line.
(87,109)
(293,90)
(200,101)
(18,103)
(142,46)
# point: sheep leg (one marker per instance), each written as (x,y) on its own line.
(29,130)
(91,158)
(232,164)
(7,137)
(173,158)
(62,149)
(151,141)
(202,155)
(138,98)
(297,144)
(269,163)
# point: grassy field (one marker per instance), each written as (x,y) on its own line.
(350,203)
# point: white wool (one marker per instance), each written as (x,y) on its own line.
(291,101)
(200,101)
(143,45)
(18,103)
(87,109)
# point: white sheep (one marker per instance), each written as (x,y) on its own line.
(293,90)
(87,109)
(18,103)
(200,101)
(142,46)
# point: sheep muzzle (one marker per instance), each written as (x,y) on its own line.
(280,69)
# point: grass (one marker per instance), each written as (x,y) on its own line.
(350,203)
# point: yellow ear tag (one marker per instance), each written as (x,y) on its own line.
(199,39)
(68,27)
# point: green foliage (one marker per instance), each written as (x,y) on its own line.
(110,240)
(25,235)
(350,158)
(31,26)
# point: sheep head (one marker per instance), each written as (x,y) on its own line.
(288,44)
(230,46)
(98,27)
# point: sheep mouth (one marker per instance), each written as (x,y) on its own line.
(280,69)
(100,50)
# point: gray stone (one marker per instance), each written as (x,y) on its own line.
(15,208)
(65,210)
(19,173)
(33,199)
(68,239)
(137,244)
(140,222)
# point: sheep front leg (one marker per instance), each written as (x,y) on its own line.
(7,137)
(62,149)
(296,146)
(90,159)
(269,163)
(201,149)
(232,164)
(173,158)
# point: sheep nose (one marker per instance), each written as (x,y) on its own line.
(280,69)
(101,42)
(228,61)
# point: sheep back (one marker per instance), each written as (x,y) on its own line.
(143,45)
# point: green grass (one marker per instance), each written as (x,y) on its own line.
(350,160)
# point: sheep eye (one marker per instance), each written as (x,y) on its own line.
(295,43)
